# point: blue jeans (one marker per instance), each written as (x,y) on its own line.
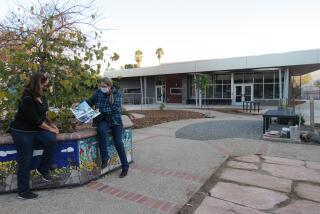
(103,138)
(25,143)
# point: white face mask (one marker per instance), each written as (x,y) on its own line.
(105,89)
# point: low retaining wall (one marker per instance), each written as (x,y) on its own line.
(77,157)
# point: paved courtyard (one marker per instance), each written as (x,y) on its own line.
(167,171)
(263,184)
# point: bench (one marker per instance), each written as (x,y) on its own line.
(77,158)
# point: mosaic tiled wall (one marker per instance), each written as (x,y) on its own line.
(78,162)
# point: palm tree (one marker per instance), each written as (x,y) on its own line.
(159,53)
(138,57)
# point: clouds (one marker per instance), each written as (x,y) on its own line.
(6,153)
(68,150)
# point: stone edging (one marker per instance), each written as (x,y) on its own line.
(127,123)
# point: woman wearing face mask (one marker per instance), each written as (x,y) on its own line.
(108,100)
(31,127)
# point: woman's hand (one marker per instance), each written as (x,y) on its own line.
(74,105)
(54,126)
(54,130)
(50,127)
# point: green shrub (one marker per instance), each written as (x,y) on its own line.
(124,111)
(162,106)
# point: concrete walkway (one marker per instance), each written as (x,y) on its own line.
(166,172)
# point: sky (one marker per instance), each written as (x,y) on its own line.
(204,29)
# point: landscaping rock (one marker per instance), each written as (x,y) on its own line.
(298,173)
(212,205)
(308,191)
(313,165)
(300,206)
(242,165)
(248,196)
(256,179)
(282,161)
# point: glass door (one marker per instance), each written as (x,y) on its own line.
(159,94)
(243,92)
(238,96)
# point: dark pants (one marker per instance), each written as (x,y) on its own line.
(25,142)
(103,138)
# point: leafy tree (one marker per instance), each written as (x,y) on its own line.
(130,66)
(201,82)
(48,38)
(113,58)
(159,53)
(305,79)
(138,57)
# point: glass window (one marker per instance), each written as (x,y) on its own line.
(276,77)
(226,91)
(218,91)
(248,77)
(210,81)
(209,91)
(268,91)
(191,87)
(218,79)
(226,78)
(175,91)
(258,91)
(193,91)
(268,77)
(131,90)
(160,81)
(258,77)
(276,91)
(238,78)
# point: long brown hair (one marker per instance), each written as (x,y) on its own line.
(34,85)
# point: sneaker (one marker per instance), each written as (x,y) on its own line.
(45,176)
(104,163)
(123,173)
(53,167)
(27,195)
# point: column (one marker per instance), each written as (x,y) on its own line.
(280,86)
(286,85)
(145,90)
(232,89)
(184,89)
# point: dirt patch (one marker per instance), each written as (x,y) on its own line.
(232,111)
(154,117)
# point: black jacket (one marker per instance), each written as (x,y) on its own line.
(31,113)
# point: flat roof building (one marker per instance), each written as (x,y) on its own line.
(265,78)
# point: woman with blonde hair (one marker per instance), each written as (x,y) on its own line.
(108,100)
